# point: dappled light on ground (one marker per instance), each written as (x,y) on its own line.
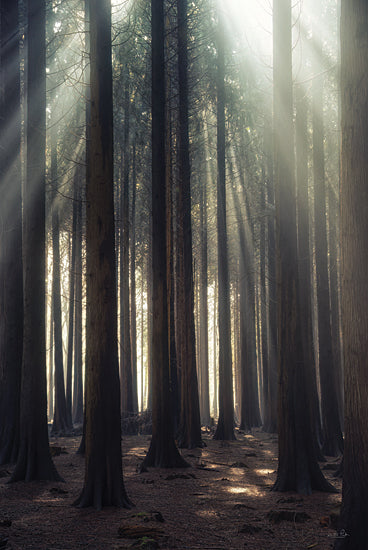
(223,501)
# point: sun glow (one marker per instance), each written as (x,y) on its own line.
(251,22)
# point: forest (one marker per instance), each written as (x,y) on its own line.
(183,274)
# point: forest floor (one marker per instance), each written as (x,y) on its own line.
(222,502)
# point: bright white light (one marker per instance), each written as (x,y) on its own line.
(251,20)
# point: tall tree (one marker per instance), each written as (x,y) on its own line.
(270,417)
(162,451)
(354,268)
(190,423)
(126,378)
(332,433)
(103,484)
(60,424)
(304,260)
(225,424)
(34,459)
(203,300)
(298,468)
(11,299)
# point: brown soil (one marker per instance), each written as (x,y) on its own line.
(223,502)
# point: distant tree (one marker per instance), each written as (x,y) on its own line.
(34,459)
(354,292)
(126,375)
(11,279)
(162,451)
(225,424)
(298,469)
(270,416)
(103,484)
(61,423)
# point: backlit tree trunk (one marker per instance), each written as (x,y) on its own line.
(298,469)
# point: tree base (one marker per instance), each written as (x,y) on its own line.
(164,456)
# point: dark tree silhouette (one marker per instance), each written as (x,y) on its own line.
(103,484)
(354,292)
(11,280)
(190,423)
(162,451)
(225,424)
(298,469)
(34,459)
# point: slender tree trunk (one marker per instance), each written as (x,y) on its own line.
(225,425)
(133,303)
(126,380)
(203,301)
(60,424)
(78,353)
(69,369)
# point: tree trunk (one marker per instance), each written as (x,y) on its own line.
(78,353)
(225,424)
(190,422)
(34,459)
(354,271)
(203,303)
(60,424)
(11,279)
(163,451)
(126,381)
(298,469)
(103,483)
(69,367)
(133,304)
(304,261)
(332,434)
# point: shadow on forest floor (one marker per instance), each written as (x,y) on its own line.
(223,502)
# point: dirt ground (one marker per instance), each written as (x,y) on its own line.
(222,502)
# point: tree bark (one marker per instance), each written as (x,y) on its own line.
(103,483)
(34,459)
(162,451)
(11,279)
(190,423)
(354,271)
(298,469)
(225,424)
(332,434)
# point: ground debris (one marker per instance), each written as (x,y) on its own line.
(55,450)
(276,516)
(170,477)
(249,529)
(239,465)
(138,532)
